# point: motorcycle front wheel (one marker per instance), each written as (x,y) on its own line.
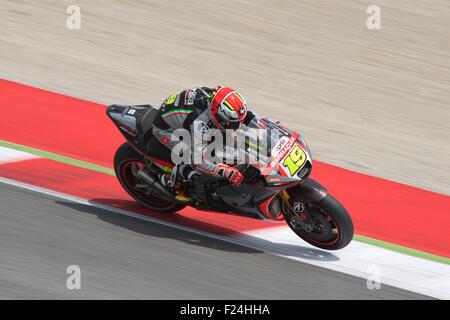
(325,224)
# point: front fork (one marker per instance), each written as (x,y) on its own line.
(288,209)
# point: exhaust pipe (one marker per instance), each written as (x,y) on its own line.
(155,184)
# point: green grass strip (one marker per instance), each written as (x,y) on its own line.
(94,167)
(401,249)
(57,157)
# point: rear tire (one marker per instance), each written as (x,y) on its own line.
(126,161)
(330,217)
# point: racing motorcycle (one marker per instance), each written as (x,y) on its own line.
(279,190)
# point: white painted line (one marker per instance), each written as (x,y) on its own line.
(395,269)
(8,155)
(402,271)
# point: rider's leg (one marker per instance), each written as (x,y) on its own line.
(179,172)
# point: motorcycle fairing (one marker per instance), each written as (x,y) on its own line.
(289,155)
(251,201)
(135,123)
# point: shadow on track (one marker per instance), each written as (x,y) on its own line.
(157,230)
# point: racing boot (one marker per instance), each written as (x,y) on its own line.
(170,181)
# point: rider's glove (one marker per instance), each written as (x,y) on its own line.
(232,174)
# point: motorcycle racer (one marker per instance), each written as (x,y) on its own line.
(200,109)
(275,160)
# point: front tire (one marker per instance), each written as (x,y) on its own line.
(325,224)
(127,162)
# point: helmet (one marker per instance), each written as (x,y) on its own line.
(228,109)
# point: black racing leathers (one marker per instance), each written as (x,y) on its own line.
(188,109)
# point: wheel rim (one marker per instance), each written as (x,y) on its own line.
(317,226)
(139,189)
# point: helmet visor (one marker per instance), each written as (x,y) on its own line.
(228,124)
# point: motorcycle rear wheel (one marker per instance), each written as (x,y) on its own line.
(127,161)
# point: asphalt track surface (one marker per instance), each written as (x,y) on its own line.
(125,258)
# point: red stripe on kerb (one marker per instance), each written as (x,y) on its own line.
(53,122)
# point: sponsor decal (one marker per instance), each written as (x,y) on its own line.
(190,96)
(299,207)
(172,98)
(287,147)
(295,159)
